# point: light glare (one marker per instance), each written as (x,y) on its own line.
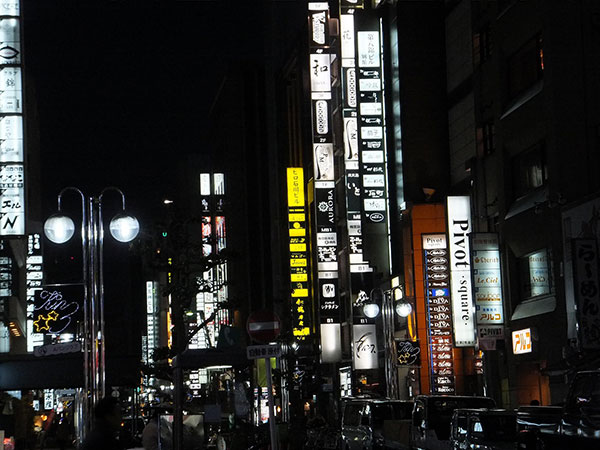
(59,229)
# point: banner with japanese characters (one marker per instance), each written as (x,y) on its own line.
(587,291)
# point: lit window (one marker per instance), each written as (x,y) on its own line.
(525,66)
(529,170)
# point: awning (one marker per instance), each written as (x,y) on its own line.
(22,372)
(529,201)
(534,307)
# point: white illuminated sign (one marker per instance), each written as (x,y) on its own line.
(331,342)
(12,200)
(320,74)
(521,341)
(459,227)
(347,38)
(368,49)
(365,347)
(205,184)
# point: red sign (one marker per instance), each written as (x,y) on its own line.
(263,326)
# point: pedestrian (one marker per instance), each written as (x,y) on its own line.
(150,434)
(63,433)
(107,423)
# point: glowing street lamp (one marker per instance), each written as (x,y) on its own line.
(59,228)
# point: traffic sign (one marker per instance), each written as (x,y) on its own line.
(263,351)
(263,326)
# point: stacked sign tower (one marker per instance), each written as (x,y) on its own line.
(327,287)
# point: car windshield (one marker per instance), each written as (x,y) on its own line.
(381,413)
(499,427)
(441,409)
(402,410)
(352,414)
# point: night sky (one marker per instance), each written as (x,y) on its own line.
(123,88)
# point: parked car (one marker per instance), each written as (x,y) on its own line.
(533,420)
(484,429)
(579,422)
(376,424)
(581,413)
(432,415)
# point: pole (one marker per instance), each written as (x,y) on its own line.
(87,405)
(272,425)
(92,238)
(390,347)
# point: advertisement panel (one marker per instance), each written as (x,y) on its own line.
(459,227)
(487,278)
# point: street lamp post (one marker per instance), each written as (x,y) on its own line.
(391,301)
(59,228)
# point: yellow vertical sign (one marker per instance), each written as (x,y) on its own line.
(295,183)
(298,253)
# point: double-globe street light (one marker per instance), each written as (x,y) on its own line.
(59,228)
(391,300)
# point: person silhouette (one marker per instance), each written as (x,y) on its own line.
(107,423)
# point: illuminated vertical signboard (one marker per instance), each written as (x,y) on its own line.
(152,324)
(371,127)
(12,172)
(299,270)
(350,138)
(327,288)
(586,282)
(459,227)
(439,313)
(34,279)
(487,279)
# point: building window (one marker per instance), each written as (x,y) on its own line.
(526,66)
(486,139)
(529,170)
(535,274)
(482,46)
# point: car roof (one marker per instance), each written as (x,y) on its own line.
(375,400)
(441,396)
(487,411)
